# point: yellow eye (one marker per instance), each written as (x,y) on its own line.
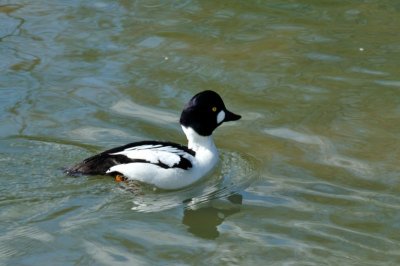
(214,109)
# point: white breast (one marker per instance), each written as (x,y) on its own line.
(206,153)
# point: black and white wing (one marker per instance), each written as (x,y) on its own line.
(162,154)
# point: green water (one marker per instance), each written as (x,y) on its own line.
(308,176)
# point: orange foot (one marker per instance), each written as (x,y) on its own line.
(120,178)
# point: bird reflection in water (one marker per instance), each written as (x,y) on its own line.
(203,222)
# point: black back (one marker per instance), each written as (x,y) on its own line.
(100,163)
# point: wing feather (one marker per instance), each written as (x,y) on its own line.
(162,154)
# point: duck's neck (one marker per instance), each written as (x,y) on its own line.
(197,142)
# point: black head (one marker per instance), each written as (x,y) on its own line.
(205,112)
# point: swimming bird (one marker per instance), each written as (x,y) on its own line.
(167,165)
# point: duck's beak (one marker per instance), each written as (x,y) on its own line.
(229,116)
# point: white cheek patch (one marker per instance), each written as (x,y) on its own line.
(220,117)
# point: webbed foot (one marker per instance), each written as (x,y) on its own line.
(120,178)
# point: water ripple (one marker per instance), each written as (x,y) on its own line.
(327,153)
(236,174)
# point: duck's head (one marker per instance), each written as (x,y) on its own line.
(205,112)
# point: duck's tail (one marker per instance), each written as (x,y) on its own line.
(95,165)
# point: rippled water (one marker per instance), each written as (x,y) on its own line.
(309,176)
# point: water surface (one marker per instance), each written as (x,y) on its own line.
(308,176)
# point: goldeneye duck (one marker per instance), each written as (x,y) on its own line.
(167,165)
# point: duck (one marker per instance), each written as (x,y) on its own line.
(167,165)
